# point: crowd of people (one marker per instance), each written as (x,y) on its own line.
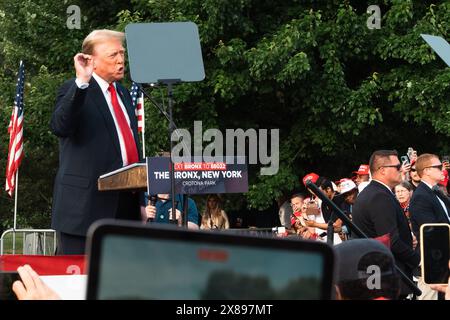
(386,199)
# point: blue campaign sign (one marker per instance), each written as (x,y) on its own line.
(197,177)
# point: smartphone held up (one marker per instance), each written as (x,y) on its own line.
(435,252)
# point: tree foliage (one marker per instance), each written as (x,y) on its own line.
(336,89)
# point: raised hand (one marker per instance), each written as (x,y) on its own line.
(84,66)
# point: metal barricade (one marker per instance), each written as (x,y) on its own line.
(31,241)
(257,232)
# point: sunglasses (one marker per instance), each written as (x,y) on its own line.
(396,166)
(437,166)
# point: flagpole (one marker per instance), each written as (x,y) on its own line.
(15,150)
(143,127)
(15,210)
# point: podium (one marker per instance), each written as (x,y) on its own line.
(132,177)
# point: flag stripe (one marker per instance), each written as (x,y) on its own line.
(15,130)
(138,104)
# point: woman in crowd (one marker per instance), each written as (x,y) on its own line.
(403,193)
(214,217)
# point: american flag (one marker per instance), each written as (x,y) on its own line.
(15,129)
(138,103)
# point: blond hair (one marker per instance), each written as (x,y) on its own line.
(214,218)
(98,36)
(423,161)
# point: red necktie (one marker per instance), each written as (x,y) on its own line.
(127,135)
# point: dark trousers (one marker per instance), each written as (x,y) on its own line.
(70,244)
(128,208)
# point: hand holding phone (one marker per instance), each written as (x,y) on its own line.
(404,159)
(446,162)
(7,278)
(312,209)
(434,251)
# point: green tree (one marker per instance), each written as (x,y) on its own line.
(35,31)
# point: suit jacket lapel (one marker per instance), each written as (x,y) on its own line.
(97,96)
(399,210)
(444,199)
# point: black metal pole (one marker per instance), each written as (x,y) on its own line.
(185,209)
(330,231)
(341,215)
(165,114)
(171,129)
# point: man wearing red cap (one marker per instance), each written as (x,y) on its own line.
(313,177)
(362,174)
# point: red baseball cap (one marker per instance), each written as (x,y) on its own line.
(363,169)
(444,181)
(310,176)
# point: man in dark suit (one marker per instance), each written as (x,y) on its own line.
(377,212)
(97,131)
(428,204)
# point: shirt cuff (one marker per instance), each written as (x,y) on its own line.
(81,85)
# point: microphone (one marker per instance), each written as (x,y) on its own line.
(152,201)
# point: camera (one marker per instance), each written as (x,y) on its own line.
(434,252)
(312,208)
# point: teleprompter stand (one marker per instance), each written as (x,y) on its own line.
(168,54)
